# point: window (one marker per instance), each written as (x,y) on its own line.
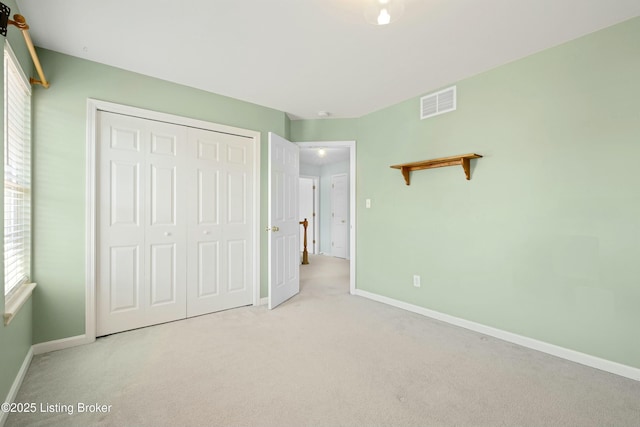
(17,174)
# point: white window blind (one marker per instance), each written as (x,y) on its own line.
(17,174)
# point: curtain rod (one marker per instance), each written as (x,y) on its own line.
(21,23)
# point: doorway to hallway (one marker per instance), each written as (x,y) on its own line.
(333,162)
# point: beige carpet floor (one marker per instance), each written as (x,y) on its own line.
(324,358)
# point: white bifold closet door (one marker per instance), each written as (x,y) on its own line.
(220,225)
(174,222)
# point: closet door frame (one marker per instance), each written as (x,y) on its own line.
(91,250)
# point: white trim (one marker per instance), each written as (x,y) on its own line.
(93,106)
(257,229)
(264,301)
(90,222)
(16,300)
(352,200)
(552,349)
(49,346)
(17,382)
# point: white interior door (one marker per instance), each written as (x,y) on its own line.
(284,224)
(339,215)
(142,231)
(220,234)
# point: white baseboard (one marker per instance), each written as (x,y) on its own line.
(264,301)
(17,382)
(564,353)
(49,346)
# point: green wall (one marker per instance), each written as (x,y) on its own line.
(544,240)
(59,170)
(324,130)
(15,338)
(15,342)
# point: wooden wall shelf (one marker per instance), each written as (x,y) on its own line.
(462,160)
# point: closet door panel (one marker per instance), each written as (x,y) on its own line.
(220,229)
(141,277)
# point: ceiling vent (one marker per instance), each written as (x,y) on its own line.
(438,103)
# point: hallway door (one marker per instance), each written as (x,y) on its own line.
(340,215)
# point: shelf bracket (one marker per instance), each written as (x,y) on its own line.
(405,173)
(466,162)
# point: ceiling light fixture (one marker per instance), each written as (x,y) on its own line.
(383,12)
(322,152)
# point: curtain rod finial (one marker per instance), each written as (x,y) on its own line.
(19,21)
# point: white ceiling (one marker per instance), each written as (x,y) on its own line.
(310,156)
(304,56)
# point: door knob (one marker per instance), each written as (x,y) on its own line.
(205,232)
(274,228)
(166,233)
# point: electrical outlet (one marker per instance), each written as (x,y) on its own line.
(367,203)
(416,281)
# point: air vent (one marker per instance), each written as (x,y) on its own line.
(438,103)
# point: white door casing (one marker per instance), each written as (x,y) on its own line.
(339,215)
(284,224)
